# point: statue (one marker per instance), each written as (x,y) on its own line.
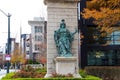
(63,39)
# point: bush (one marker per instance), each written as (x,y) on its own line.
(104,72)
(32,62)
(87,78)
(83,73)
(54,79)
(41,70)
(29,73)
(55,75)
(27,68)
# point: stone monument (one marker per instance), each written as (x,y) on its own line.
(62,60)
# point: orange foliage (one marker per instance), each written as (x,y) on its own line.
(107,15)
(43,60)
(17,56)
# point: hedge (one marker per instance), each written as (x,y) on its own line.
(88,77)
(53,79)
(104,72)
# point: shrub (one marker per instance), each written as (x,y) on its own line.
(33,62)
(104,72)
(57,78)
(27,68)
(55,75)
(83,73)
(53,79)
(29,72)
(41,70)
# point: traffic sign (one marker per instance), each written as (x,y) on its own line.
(7,57)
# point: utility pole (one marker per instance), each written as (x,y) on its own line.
(8,43)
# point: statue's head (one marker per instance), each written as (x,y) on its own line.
(62,25)
(63,20)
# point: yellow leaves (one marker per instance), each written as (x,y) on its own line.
(104,17)
(104,12)
(87,13)
(17,56)
(92,4)
(93,1)
(107,3)
(109,30)
(114,3)
(23,60)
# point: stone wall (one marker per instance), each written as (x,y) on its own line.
(57,10)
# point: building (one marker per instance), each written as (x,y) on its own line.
(26,46)
(38,37)
(2,57)
(12,46)
(100,51)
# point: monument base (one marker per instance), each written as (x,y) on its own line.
(66,65)
(48,75)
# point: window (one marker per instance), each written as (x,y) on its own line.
(94,36)
(38,37)
(115,38)
(37,47)
(38,29)
(103,57)
(27,52)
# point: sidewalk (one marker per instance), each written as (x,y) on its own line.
(2,76)
(3,72)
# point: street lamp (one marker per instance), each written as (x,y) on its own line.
(8,43)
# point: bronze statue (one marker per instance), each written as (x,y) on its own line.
(63,39)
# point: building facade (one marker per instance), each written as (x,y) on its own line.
(2,59)
(95,50)
(12,46)
(26,46)
(38,37)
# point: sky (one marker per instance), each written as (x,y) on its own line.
(22,11)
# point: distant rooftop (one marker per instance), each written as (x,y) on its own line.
(39,18)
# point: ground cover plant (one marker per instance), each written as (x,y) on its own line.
(29,73)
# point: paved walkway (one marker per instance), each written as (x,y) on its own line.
(2,76)
(3,72)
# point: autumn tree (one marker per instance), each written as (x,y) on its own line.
(106,13)
(43,54)
(43,59)
(17,57)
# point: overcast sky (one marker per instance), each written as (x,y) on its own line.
(21,11)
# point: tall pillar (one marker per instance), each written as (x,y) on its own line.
(58,10)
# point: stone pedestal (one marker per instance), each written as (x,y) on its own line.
(66,65)
(58,10)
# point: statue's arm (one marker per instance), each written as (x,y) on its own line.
(76,30)
(56,37)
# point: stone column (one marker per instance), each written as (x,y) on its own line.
(57,10)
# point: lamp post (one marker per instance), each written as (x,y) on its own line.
(8,42)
